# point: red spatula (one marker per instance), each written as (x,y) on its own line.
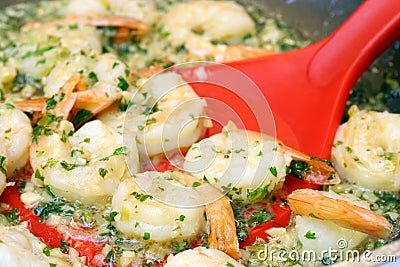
(307,88)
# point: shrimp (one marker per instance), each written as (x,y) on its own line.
(367,150)
(98,84)
(18,247)
(142,10)
(173,118)
(15,136)
(201,256)
(222,234)
(211,29)
(40,50)
(247,164)
(85,165)
(223,21)
(332,207)
(179,200)
(151,211)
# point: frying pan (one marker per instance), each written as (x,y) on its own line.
(316,19)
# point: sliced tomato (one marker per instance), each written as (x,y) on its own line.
(293,183)
(281,218)
(50,235)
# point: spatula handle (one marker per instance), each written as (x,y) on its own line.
(348,52)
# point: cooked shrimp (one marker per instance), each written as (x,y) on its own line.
(211,30)
(201,256)
(142,214)
(40,50)
(247,164)
(367,150)
(18,247)
(174,117)
(330,206)
(220,20)
(86,165)
(221,52)
(125,24)
(222,234)
(142,10)
(15,137)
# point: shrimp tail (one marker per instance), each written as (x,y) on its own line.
(312,169)
(311,203)
(222,234)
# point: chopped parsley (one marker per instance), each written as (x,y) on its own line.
(92,76)
(259,217)
(273,171)
(81,116)
(141,197)
(146,236)
(37,52)
(12,216)
(310,235)
(103,172)
(181,217)
(2,163)
(122,84)
(196,184)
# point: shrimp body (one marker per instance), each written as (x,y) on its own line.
(142,214)
(143,10)
(175,117)
(224,21)
(86,165)
(20,248)
(367,150)
(248,164)
(15,137)
(342,211)
(41,49)
(98,72)
(201,256)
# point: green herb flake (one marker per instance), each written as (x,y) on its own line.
(39,154)
(68,166)
(146,236)
(2,165)
(140,127)
(92,76)
(141,197)
(51,103)
(310,235)
(273,171)
(103,172)
(46,251)
(338,143)
(150,121)
(259,217)
(228,264)
(122,84)
(9,106)
(256,143)
(52,265)
(110,257)
(63,137)
(115,64)
(181,218)
(50,191)
(38,175)
(260,154)
(349,149)
(81,116)
(37,52)
(12,216)
(196,184)
(21,186)
(151,110)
